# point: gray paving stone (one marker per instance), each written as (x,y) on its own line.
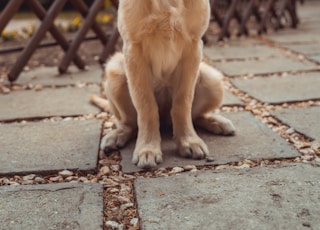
(304,48)
(304,120)
(51,206)
(230,99)
(69,101)
(252,141)
(240,52)
(301,35)
(282,89)
(263,198)
(50,76)
(315,58)
(269,65)
(49,146)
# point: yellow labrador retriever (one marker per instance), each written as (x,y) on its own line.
(160,76)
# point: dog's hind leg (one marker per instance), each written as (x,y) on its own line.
(208,97)
(120,105)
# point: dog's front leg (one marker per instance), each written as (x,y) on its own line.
(147,152)
(189,143)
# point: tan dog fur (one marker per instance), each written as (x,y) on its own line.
(160,76)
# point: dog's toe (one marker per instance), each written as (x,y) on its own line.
(193,148)
(147,158)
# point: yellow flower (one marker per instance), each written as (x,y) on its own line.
(105,18)
(77,21)
(9,35)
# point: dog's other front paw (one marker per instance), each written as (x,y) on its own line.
(116,139)
(147,157)
(193,147)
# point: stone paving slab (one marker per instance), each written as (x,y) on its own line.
(296,36)
(304,120)
(48,76)
(230,99)
(315,58)
(281,89)
(304,48)
(266,66)
(49,146)
(262,198)
(68,101)
(51,206)
(252,141)
(240,52)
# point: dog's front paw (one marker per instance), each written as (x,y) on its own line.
(147,157)
(193,147)
(116,139)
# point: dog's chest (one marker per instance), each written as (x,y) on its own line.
(164,42)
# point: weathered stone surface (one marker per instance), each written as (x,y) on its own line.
(240,52)
(302,35)
(282,89)
(51,206)
(230,99)
(269,65)
(261,198)
(304,120)
(48,146)
(69,101)
(315,58)
(252,141)
(304,48)
(48,76)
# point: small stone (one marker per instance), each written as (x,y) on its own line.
(221,167)
(114,190)
(125,189)
(66,173)
(121,227)
(38,88)
(29,177)
(115,167)
(134,222)
(189,167)
(290,131)
(71,178)
(55,178)
(108,182)
(123,200)
(125,206)
(39,180)
(105,170)
(244,166)
(176,170)
(112,224)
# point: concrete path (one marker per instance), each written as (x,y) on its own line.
(50,136)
